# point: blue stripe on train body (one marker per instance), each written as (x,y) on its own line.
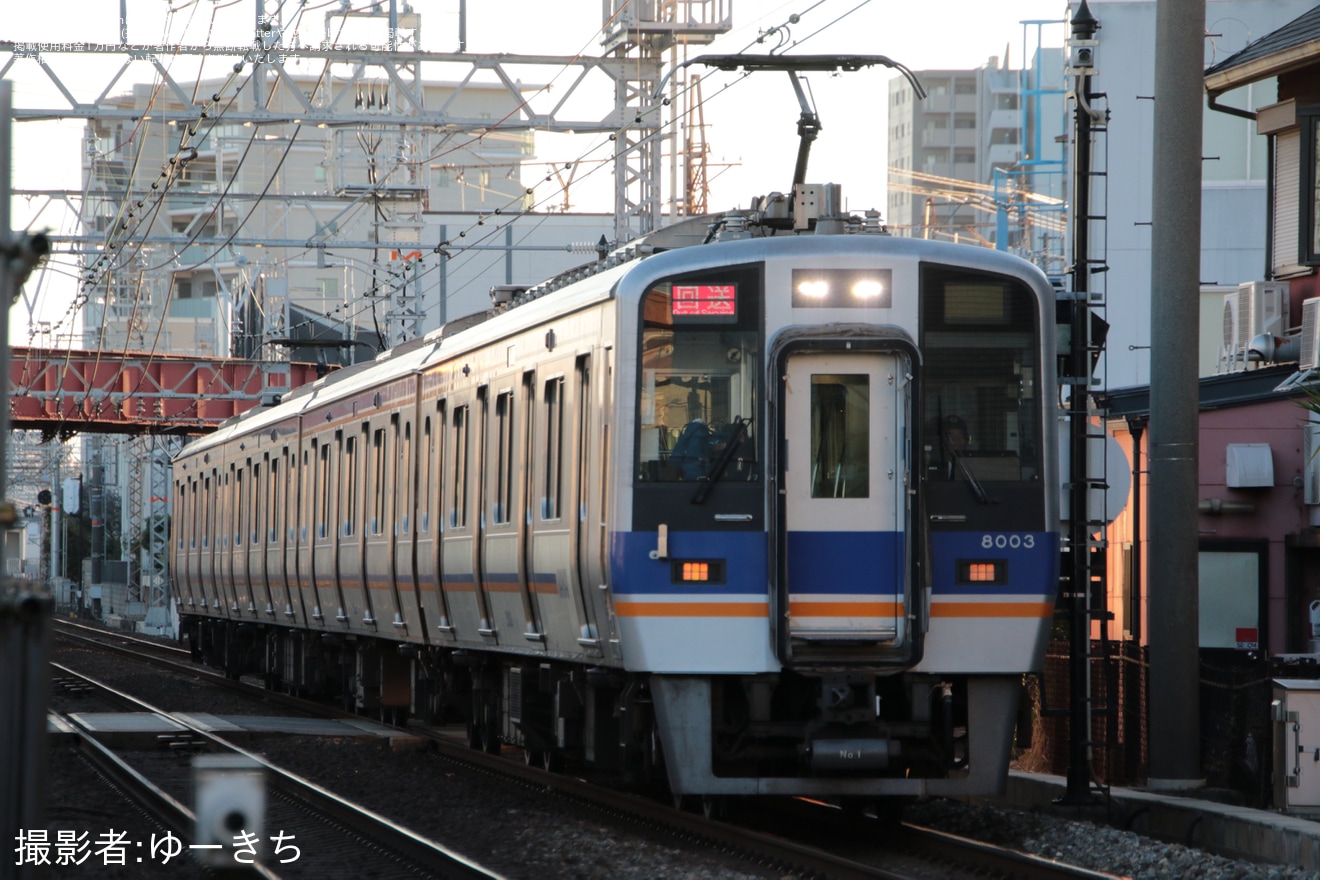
(848,563)
(1032,558)
(636,573)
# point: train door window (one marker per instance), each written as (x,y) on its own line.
(207,507)
(583,433)
(478,445)
(304,489)
(254,504)
(981,394)
(840,436)
(458,506)
(238,507)
(350,484)
(527,486)
(273,505)
(700,377)
(405,478)
(377,481)
(229,514)
(427,472)
(181,501)
(323,490)
(554,448)
(502,502)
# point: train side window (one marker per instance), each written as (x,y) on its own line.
(501,509)
(554,448)
(700,377)
(458,506)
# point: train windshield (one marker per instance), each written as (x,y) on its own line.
(981,394)
(699,371)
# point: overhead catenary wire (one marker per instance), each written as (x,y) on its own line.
(586,158)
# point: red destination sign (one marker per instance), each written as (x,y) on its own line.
(705,300)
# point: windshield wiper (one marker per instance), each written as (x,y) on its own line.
(735,440)
(981,495)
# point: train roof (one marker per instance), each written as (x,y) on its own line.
(418,355)
(673,249)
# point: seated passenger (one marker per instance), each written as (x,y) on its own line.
(691,452)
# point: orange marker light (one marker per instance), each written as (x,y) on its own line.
(696,571)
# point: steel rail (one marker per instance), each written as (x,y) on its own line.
(435,859)
(923,842)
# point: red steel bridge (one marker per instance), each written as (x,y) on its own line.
(63,392)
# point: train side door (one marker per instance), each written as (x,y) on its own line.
(845,513)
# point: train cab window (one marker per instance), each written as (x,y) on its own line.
(699,402)
(981,397)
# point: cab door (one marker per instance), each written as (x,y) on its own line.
(845,510)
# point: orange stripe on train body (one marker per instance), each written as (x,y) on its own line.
(692,609)
(992,609)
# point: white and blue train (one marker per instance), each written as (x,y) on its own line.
(773,511)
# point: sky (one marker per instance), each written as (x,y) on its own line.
(751,121)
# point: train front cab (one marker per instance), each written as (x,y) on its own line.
(885,655)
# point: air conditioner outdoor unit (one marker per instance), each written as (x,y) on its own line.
(1228,352)
(1309,358)
(1262,308)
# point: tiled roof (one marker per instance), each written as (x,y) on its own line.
(1301,30)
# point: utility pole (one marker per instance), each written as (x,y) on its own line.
(24,616)
(1175,258)
(1082,48)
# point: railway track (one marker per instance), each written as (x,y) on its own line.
(807,841)
(331,831)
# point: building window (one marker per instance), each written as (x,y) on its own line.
(1309,178)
